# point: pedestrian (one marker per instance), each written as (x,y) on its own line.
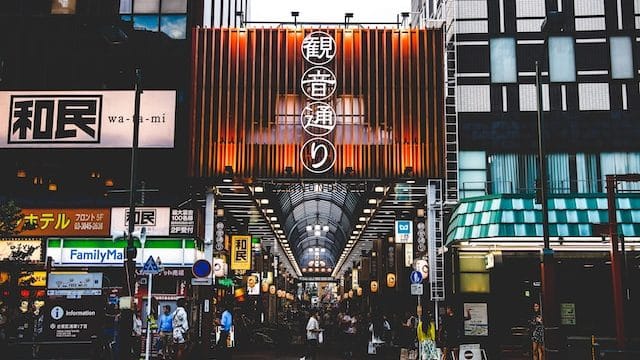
(408,333)
(378,329)
(226,323)
(136,334)
(180,324)
(348,325)
(450,332)
(426,334)
(313,332)
(536,328)
(165,330)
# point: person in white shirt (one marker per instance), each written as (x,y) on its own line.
(180,325)
(313,332)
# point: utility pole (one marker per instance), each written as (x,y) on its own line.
(126,311)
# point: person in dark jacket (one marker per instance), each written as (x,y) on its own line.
(450,333)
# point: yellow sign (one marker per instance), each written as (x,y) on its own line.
(33,278)
(240,252)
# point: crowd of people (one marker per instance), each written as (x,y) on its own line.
(361,335)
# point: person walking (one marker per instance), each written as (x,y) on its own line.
(378,329)
(349,328)
(450,332)
(180,325)
(313,332)
(226,322)
(165,330)
(136,333)
(536,329)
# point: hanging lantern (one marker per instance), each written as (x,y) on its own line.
(374,286)
(391,280)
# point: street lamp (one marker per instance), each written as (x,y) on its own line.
(131,253)
(550,309)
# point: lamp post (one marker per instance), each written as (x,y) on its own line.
(131,252)
(549,308)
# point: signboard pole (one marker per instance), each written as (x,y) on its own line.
(150,268)
(148,347)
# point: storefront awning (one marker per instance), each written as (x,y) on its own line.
(517,218)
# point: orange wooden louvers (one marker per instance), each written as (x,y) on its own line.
(246,102)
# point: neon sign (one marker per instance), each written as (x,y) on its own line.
(318,118)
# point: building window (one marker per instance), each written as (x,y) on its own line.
(621,52)
(473,173)
(587,173)
(167,16)
(621,163)
(503,60)
(558,173)
(562,62)
(513,173)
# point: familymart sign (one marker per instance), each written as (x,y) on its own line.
(105,252)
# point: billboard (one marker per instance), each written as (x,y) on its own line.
(154,219)
(240,252)
(85,119)
(64,222)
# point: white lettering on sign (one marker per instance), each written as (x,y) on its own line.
(318,48)
(318,118)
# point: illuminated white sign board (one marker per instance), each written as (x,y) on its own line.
(85,119)
(318,118)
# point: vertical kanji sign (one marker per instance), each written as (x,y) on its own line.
(240,252)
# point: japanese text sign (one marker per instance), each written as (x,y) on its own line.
(240,252)
(85,119)
(64,222)
(318,118)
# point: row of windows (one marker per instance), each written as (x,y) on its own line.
(561,59)
(482,174)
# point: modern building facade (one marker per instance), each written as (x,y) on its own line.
(589,85)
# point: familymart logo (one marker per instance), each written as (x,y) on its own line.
(96,255)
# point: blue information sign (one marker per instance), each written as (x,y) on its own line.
(416,277)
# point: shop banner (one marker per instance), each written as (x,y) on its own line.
(75,281)
(106,252)
(64,222)
(21,250)
(154,220)
(33,279)
(240,252)
(85,119)
(404,232)
(182,222)
(73,319)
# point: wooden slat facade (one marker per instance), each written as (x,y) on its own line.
(247,99)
